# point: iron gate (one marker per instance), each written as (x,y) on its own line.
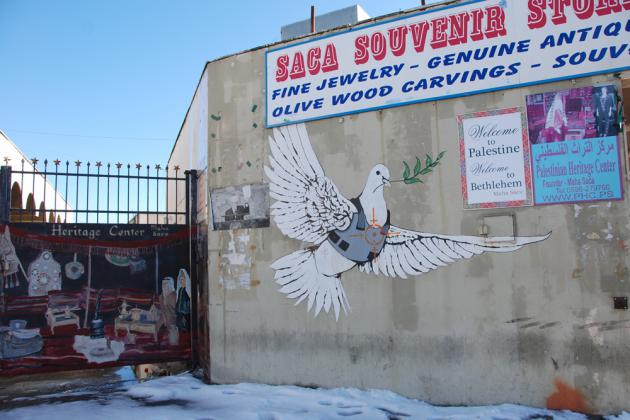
(97,265)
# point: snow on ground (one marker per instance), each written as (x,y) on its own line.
(184,397)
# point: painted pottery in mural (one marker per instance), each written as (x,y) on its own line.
(18,341)
(348,233)
(118,260)
(74,269)
(7,252)
(137,265)
(44,275)
(9,261)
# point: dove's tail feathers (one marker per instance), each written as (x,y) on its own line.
(300,279)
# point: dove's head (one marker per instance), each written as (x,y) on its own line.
(378,178)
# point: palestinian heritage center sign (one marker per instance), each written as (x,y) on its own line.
(576,155)
(495,159)
(456,50)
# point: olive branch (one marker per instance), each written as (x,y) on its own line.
(418,170)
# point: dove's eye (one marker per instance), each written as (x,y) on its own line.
(378,172)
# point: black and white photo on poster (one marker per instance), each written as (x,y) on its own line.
(240,207)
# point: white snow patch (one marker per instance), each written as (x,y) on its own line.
(184,397)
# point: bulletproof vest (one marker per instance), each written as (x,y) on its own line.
(362,241)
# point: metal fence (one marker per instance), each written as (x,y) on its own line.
(77,192)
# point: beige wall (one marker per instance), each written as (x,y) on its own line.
(450,336)
(190,152)
(498,328)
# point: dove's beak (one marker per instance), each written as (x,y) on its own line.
(386,182)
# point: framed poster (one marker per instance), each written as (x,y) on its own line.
(495,159)
(240,207)
(575,147)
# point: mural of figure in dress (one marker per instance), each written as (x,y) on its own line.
(168,301)
(182,307)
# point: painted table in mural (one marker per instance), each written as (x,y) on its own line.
(149,327)
(61,317)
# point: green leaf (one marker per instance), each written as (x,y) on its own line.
(429,161)
(410,181)
(441,155)
(407,171)
(416,169)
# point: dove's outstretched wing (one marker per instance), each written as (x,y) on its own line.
(412,253)
(308,204)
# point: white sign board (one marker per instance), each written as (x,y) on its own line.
(495,159)
(456,50)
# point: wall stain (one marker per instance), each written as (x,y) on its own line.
(516,320)
(549,325)
(567,398)
(530,324)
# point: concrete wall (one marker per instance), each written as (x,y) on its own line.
(191,152)
(535,326)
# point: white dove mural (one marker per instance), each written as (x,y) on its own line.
(349,233)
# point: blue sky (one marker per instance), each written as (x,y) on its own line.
(116,77)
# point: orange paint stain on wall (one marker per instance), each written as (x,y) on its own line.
(567,398)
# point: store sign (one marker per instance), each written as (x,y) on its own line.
(575,148)
(456,50)
(494,156)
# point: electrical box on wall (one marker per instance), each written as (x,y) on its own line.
(620,302)
(500,225)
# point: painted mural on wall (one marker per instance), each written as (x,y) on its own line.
(81,296)
(349,233)
(575,145)
(495,159)
(240,207)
